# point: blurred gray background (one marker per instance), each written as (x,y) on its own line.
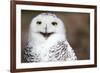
(76,24)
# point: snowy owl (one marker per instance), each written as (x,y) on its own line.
(47,40)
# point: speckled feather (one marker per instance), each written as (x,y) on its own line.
(58,52)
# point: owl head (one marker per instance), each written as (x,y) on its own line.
(47,24)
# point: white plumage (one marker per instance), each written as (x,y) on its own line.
(47,40)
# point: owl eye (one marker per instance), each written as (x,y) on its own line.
(54,23)
(38,22)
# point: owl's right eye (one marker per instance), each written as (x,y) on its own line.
(54,23)
(38,22)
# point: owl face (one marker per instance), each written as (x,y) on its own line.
(47,24)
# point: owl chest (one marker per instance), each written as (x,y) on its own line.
(54,53)
(58,54)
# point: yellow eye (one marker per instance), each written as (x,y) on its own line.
(38,22)
(54,23)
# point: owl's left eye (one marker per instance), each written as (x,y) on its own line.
(38,22)
(54,23)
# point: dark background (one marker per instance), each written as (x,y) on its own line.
(76,24)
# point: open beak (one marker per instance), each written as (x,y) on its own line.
(46,35)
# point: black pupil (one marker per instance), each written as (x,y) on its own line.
(39,22)
(54,23)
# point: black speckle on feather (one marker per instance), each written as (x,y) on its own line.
(29,56)
(58,52)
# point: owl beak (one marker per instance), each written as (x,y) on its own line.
(46,35)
